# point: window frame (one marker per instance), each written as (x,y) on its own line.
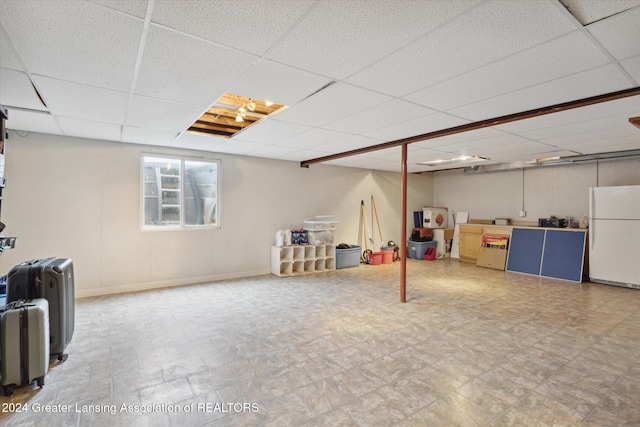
(182,225)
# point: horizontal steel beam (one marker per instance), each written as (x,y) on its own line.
(480,124)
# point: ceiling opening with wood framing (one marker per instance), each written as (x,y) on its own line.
(232,113)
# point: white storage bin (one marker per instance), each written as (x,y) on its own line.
(321,222)
(320,237)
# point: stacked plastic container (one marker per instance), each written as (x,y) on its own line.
(320,229)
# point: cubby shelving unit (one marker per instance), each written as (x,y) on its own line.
(296,260)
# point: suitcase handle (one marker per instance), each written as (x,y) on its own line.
(16,304)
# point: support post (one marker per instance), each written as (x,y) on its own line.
(403,232)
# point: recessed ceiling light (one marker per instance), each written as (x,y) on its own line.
(454,160)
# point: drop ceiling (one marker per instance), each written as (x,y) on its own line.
(354,74)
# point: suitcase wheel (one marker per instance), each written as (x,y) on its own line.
(8,389)
(40,381)
(62,357)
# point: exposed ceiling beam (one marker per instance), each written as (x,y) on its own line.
(612,96)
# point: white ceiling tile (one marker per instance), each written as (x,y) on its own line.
(82,55)
(584,128)
(75,41)
(484,134)
(248,25)
(621,133)
(418,155)
(136,8)
(179,68)
(588,11)
(336,101)
(148,136)
(517,145)
(362,162)
(348,35)
(567,55)
(469,41)
(16,90)
(393,154)
(481,146)
(271,131)
(592,112)
(417,126)
(32,122)
(277,83)
(88,129)
(631,142)
(632,66)
(346,162)
(349,143)
(619,34)
(194,141)
(155,114)
(272,151)
(214,144)
(301,155)
(8,58)
(313,138)
(239,146)
(598,81)
(81,101)
(382,115)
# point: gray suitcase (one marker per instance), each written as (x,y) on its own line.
(50,278)
(24,343)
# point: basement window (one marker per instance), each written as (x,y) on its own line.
(180,192)
(233,113)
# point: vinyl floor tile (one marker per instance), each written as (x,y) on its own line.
(471,347)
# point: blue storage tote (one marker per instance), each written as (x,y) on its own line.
(416,250)
(350,257)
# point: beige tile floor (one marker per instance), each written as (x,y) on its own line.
(471,347)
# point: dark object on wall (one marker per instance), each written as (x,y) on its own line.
(50,278)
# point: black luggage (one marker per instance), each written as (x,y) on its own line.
(24,343)
(50,278)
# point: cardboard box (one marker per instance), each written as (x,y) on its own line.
(435,217)
(492,258)
(495,241)
(448,234)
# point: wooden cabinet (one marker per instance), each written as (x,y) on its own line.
(471,239)
(470,242)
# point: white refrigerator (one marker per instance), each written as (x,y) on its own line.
(614,235)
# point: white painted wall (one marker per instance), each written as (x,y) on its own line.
(561,190)
(80,198)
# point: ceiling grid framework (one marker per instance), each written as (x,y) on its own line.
(143,71)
